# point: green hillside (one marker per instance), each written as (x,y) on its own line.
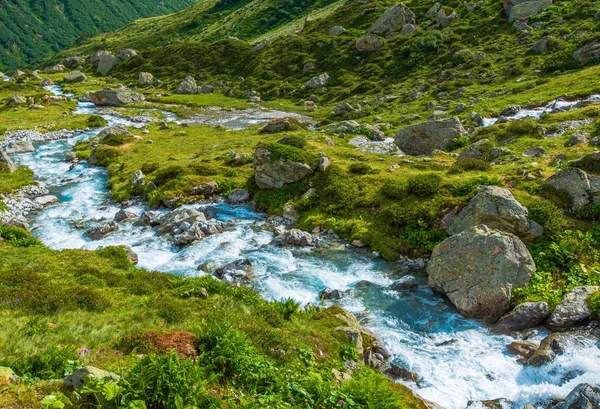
(32,29)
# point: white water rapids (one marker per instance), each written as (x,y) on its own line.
(473,366)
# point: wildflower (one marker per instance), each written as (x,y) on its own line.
(294,348)
(291,400)
(341,402)
(282,352)
(117,352)
(83,351)
(272,349)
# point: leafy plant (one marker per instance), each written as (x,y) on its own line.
(424,185)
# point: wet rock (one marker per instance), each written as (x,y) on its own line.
(111,97)
(424,138)
(234,271)
(523,316)
(46,82)
(106,62)
(6,163)
(145,79)
(522,348)
(238,196)
(496,208)
(138,178)
(102,230)
(148,218)
(294,238)
(46,200)
(405,283)
(272,173)
(499,403)
(393,19)
(587,52)
(277,125)
(573,310)
(368,43)
(206,189)
(290,213)
(550,346)
(330,294)
(477,270)
(510,110)
(79,378)
(574,184)
(74,77)
(172,220)
(318,81)
(398,373)
(131,255)
(584,396)
(123,215)
(17,147)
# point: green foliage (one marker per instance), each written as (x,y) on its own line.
(359,168)
(117,256)
(96,121)
(51,363)
(468,164)
(297,141)
(281,151)
(548,215)
(594,303)
(458,143)
(17,236)
(339,191)
(394,189)
(104,155)
(470,186)
(424,185)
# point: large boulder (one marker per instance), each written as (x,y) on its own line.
(277,125)
(187,86)
(95,57)
(106,62)
(110,134)
(369,42)
(74,76)
(444,19)
(497,208)
(336,31)
(477,270)
(527,9)
(6,163)
(273,173)
(392,20)
(111,97)
(426,137)
(17,147)
(573,184)
(588,163)
(584,396)
(71,62)
(587,52)
(523,316)
(479,150)
(319,81)
(79,378)
(550,346)
(343,127)
(145,78)
(573,309)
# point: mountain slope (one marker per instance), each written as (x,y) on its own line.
(30,29)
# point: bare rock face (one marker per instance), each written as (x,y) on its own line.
(523,316)
(106,62)
(187,86)
(393,20)
(573,309)
(584,396)
(426,137)
(574,184)
(477,270)
(498,209)
(6,163)
(273,173)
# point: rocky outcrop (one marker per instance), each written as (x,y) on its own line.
(187,86)
(17,147)
(479,150)
(498,209)
(145,79)
(16,100)
(573,310)
(318,82)
(523,316)
(518,9)
(572,183)
(238,196)
(6,163)
(443,19)
(393,20)
(106,62)
(109,134)
(111,97)
(74,77)
(477,270)
(273,173)
(588,163)
(426,137)
(294,238)
(405,283)
(206,189)
(138,178)
(368,43)
(587,52)
(584,396)
(185,226)
(71,62)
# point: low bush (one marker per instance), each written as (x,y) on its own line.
(160,342)
(469,187)
(296,141)
(548,215)
(462,165)
(96,121)
(17,236)
(52,363)
(424,185)
(359,168)
(394,189)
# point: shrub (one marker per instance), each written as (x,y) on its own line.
(594,303)
(458,143)
(359,168)
(394,189)
(149,167)
(104,155)
(339,191)
(95,121)
(160,342)
(469,164)
(117,256)
(424,185)
(172,310)
(168,173)
(547,214)
(89,299)
(17,236)
(281,151)
(52,363)
(192,287)
(469,187)
(296,141)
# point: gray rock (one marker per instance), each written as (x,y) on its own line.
(145,79)
(17,147)
(528,8)
(535,151)
(290,213)
(540,46)
(46,82)
(318,82)
(369,43)
(46,200)
(111,132)
(173,220)
(138,178)
(123,215)
(587,52)
(277,125)
(206,189)
(102,230)
(393,19)
(497,208)
(238,196)
(187,86)
(106,62)
(330,294)
(294,238)
(309,66)
(550,346)
(343,127)
(16,100)
(573,310)
(127,54)
(479,150)
(589,163)
(522,348)
(424,138)
(273,174)
(510,110)
(573,183)
(208,89)
(131,255)
(336,31)
(71,62)
(408,29)
(324,163)
(477,270)
(148,218)
(79,378)
(74,77)
(578,138)
(432,12)
(111,97)
(443,19)
(55,69)
(6,163)
(523,316)
(584,396)
(405,283)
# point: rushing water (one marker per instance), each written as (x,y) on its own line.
(416,326)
